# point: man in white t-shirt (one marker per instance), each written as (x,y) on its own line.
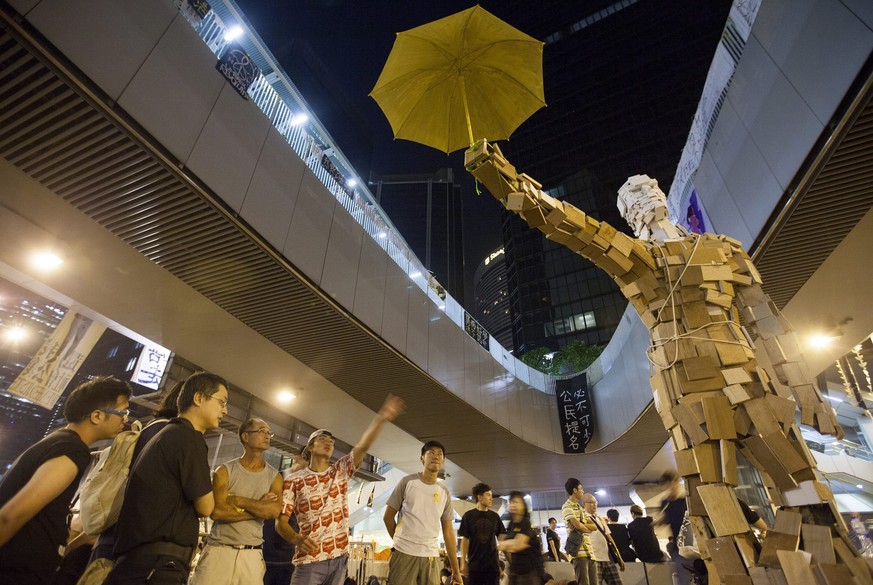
(601,539)
(425,508)
(318,494)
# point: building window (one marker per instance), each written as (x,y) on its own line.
(584,321)
(579,322)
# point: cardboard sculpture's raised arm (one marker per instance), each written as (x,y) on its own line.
(624,258)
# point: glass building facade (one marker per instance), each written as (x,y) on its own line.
(607,68)
(427,210)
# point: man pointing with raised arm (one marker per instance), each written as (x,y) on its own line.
(318,494)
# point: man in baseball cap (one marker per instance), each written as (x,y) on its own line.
(318,495)
(315,434)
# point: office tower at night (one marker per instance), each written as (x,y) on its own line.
(427,211)
(622,82)
(491,297)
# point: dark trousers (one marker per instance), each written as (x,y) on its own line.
(151,569)
(532,578)
(278,574)
(486,577)
(23,576)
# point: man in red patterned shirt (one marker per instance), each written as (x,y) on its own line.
(318,494)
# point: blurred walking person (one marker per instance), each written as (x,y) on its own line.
(523,544)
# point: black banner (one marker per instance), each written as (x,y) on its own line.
(196,10)
(336,174)
(574,413)
(476,331)
(238,68)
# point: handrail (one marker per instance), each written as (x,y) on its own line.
(271,92)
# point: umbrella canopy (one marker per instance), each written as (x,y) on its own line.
(469,74)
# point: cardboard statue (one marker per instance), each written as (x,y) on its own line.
(700,296)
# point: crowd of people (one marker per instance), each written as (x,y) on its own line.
(269,527)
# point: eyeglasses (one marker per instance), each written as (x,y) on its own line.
(121,413)
(266,432)
(220,401)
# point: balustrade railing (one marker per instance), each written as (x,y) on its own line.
(216,22)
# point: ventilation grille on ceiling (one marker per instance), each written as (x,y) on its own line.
(83,152)
(839,195)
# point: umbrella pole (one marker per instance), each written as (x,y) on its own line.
(466,110)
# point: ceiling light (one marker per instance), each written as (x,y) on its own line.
(298,119)
(286,396)
(600,492)
(820,340)
(351,182)
(415,274)
(46,260)
(16,333)
(233,33)
(383,235)
(859,486)
(825,337)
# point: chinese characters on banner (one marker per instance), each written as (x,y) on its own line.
(574,413)
(49,372)
(150,366)
(195,10)
(476,331)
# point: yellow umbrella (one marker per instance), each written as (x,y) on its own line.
(464,75)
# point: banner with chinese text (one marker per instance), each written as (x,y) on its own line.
(574,413)
(47,375)
(151,365)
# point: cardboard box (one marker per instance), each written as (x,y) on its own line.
(723,510)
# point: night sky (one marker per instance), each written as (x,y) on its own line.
(352,40)
(334,51)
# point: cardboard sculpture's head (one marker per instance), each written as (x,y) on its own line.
(642,204)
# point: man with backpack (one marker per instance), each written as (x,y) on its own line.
(168,488)
(579,527)
(36,492)
(102,491)
(247,491)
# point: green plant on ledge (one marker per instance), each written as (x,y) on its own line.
(570,359)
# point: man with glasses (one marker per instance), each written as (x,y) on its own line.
(36,491)
(247,491)
(318,494)
(601,542)
(168,489)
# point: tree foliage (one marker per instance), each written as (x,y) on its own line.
(570,359)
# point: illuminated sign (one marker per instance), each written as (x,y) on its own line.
(492,256)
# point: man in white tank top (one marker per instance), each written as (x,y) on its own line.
(247,491)
(425,508)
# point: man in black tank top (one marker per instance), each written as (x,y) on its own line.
(36,492)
